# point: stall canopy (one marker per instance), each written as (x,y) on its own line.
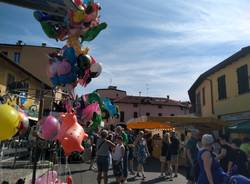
(241,127)
(149,122)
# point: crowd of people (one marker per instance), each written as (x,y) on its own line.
(212,161)
(209,160)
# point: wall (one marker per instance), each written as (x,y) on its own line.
(234,102)
(111,93)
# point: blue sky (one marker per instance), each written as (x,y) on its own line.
(157,47)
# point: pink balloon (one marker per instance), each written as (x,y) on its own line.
(49,127)
(63,68)
(52,69)
(51,177)
(71,134)
(88,112)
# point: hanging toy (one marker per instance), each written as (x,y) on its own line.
(49,127)
(71,134)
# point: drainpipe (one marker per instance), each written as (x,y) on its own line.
(212,95)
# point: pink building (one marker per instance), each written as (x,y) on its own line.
(136,106)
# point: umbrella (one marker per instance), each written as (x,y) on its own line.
(150,122)
(241,127)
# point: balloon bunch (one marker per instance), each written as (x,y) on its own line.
(67,131)
(93,110)
(65,68)
(82,21)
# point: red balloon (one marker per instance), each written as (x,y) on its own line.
(71,134)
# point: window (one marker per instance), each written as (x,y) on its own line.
(159,114)
(203,97)
(135,105)
(160,106)
(147,114)
(198,103)
(222,93)
(10,80)
(122,116)
(17,57)
(243,79)
(5,53)
(135,114)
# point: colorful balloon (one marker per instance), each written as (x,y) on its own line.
(88,112)
(24,124)
(63,68)
(49,127)
(9,121)
(95,70)
(71,134)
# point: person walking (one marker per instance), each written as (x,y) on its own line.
(225,155)
(210,171)
(141,152)
(120,132)
(165,157)
(240,158)
(192,152)
(117,156)
(102,153)
(131,139)
(175,147)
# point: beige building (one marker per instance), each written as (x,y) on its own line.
(33,61)
(224,90)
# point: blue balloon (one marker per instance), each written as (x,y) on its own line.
(23,98)
(70,55)
(55,81)
(239,179)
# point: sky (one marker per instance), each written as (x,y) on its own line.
(158,47)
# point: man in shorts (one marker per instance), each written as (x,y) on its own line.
(175,146)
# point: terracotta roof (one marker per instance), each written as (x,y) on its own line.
(149,100)
(26,45)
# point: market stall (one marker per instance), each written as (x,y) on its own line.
(175,123)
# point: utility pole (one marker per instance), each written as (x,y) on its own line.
(35,151)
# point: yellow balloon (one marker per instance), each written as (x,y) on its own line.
(9,121)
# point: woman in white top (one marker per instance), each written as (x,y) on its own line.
(118,154)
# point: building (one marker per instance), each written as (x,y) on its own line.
(224,90)
(136,106)
(30,57)
(14,79)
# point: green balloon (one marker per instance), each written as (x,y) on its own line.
(92,33)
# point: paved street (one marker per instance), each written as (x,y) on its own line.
(81,175)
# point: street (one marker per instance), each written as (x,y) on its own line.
(81,174)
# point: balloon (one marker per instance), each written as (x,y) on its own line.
(84,61)
(73,41)
(88,112)
(23,98)
(93,32)
(70,55)
(71,134)
(24,124)
(52,69)
(49,127)
(9,121)
(95,70)
(94,97)
(69,180)
(63,68)
(50,177)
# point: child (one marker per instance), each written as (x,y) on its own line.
(117,159)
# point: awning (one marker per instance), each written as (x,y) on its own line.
(241,127)
(149,122)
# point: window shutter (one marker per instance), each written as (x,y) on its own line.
(243,81)
(222,92)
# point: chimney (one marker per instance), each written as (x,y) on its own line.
(43,44)
(168,97)
(139,93)
(19,42)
